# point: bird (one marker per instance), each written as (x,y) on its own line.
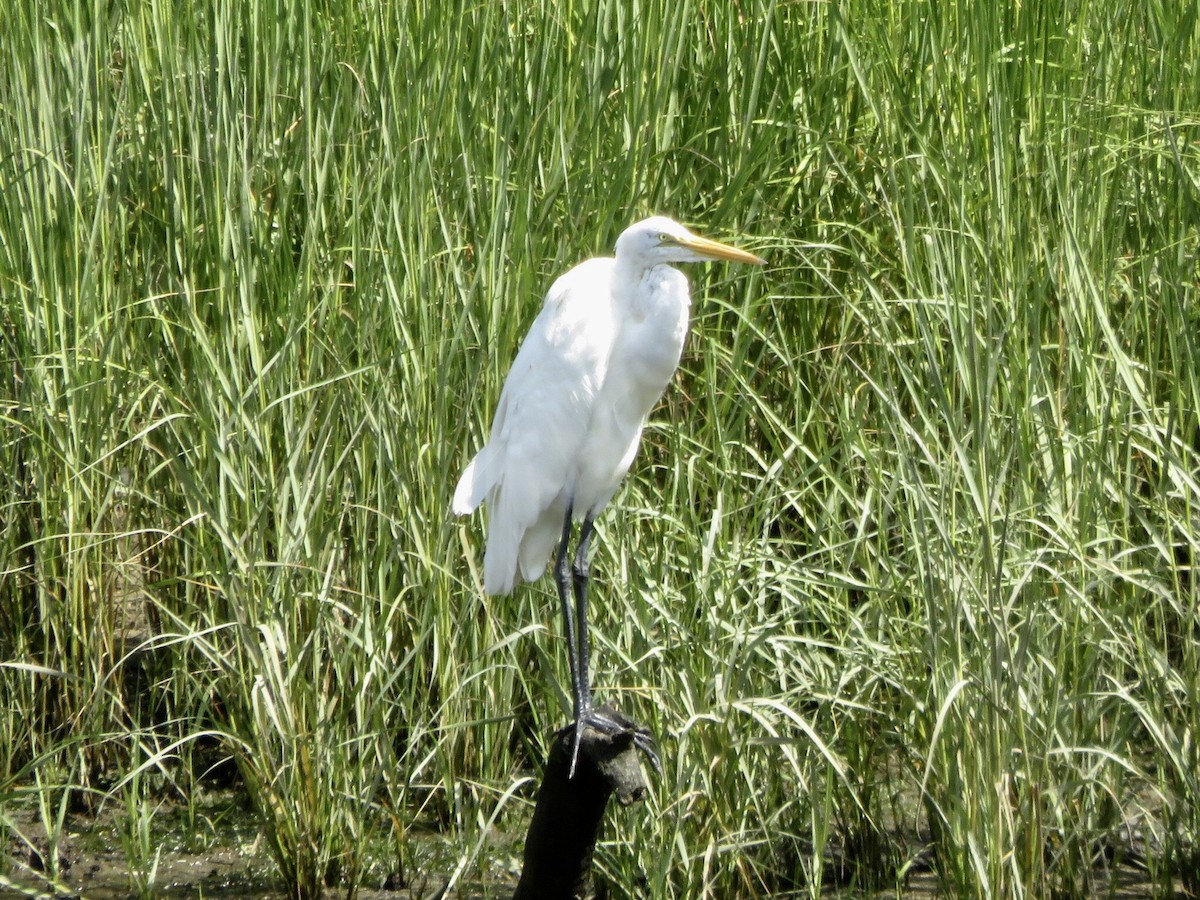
(569,421)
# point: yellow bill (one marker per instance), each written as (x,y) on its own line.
(717,250)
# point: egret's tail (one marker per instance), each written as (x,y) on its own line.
(519,552)
(499,564)
(465,501)
(525,518)
(477,481)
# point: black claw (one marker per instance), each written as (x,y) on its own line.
(575,739)
(646,743)
(610,722)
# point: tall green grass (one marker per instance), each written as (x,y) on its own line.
(908,555)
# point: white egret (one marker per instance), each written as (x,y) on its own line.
(570,418)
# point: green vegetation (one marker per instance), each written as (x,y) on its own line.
(910,551)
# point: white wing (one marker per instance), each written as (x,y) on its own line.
(527,471)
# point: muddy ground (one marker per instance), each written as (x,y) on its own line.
(221,853)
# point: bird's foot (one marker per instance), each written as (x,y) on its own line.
(609,721)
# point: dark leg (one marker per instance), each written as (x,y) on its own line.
(578,649)
(568,612)
(580,574)
(600,719)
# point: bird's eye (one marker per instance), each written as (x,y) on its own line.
(664,238)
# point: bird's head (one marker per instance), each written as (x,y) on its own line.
(661,240)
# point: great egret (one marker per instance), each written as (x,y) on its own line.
(570,417)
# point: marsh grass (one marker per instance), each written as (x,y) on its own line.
(908,557)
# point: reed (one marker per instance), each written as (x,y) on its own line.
(909,553)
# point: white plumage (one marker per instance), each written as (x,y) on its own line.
(570,416)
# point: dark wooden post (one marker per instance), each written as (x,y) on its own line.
(569,812)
